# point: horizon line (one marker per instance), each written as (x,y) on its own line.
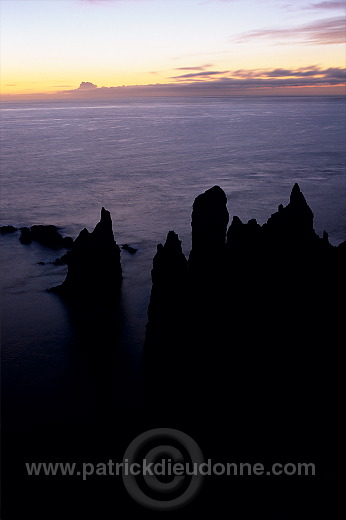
(172,90)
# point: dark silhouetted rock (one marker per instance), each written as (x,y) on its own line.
(209,224)
(243,238)
(293,224)
(169,291)
(342,247)
(167,315)
(7,229)
(25,236)
(243,347)
(47,236)
(94,267)
(252,317)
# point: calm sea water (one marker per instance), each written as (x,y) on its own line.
(145,161)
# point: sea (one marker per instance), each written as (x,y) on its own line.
(144,160)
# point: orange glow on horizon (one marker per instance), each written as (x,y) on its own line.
(173,78)
(115,44)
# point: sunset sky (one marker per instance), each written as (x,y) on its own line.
(197,46)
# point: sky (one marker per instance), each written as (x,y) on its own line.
(101,48)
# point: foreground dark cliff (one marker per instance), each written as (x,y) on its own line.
(251,320)
(243,353)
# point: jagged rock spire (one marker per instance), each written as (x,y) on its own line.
(94,266)
(294,223)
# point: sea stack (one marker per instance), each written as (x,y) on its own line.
(292,224)
(209,223)
(94,267)
(247,316)
(168,298)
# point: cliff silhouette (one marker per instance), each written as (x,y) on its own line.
(242,352)
(250,320)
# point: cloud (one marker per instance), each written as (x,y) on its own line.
(321,32)
(271,79)
(336,73)
(197,74)
(202,67)
(238,81)
(307,76)
(86,85)
(311,80)
(332,5)
(189,68)
(311,75)
(312,72)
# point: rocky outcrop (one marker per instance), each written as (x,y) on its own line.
(289,229)
(241,237)
(7,229)
(292,224)
(94,268)
(167,323)
(261,302)
(47,236)
(209,223)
